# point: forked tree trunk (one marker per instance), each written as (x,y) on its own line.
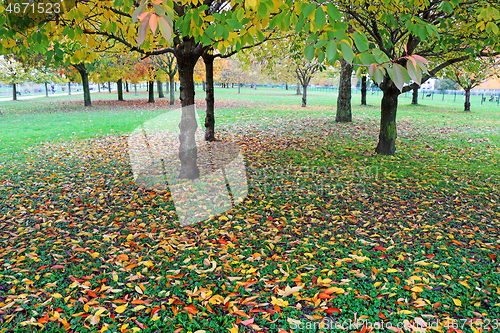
(188,152)
(151,91)
(344,113)
(159,86)
(363,90)
(119,85)
(210,113)
(304,95)
(298,88)
(389,106)
(85,82)
(414,97)
(46,89)
(14,92)
(172,90)
(467,100)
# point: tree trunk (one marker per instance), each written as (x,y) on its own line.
(14,92)
(210,113)
(126,86)
(414,97)
(172,90)
(204,86)
(304,95)
(159,85)
(69,88)
(135,88)
(286,85)
(167,88)
(99,87)
(85,82)
(109,87)
(119,85)
(188,152)
(239,88)
(151,91)
(298,88)
(46,89)
(467,100)
(344,113)
(363,90)
(389,106)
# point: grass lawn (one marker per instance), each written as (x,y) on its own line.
(329,231)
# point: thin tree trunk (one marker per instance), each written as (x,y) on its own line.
(99,87)
(298,88)
(389,106)
(172,90)
(69,88)
(204,86)
(46,89)
(286,85)
(344,113)
(467,100)
(304,95)
(14,92)
(109,87)
(239,88)
(119,85)
(414,97)
(85,82)
(151,91)
(363,90)
(188,152)
(159,86)
(126,86)
(210,113)
(135,88)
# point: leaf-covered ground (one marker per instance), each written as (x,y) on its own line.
(329,232)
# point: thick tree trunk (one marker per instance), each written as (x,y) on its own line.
(363,90)
(159,86)
(414,97)
(210,113)
(69,88)
(304,95)
(188,152)
(389,106)
(46,89)
(119,85)
(14,92)
(172,90)
(151,91)
(344,113)
(126,86)
(467,100)
(85,82)
(298,88)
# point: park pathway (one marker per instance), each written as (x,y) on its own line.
(38,96)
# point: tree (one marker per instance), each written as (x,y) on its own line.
(344,113)
(13,73)
(471,73)
(166,63)
(45,75)
(305,70)
(446,84)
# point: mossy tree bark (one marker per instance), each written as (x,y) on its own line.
(389,106)
(172,90)
(344,112)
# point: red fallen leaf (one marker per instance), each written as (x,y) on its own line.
(42,267)
(248,321)
(363,330)
(437,305)
(380,248)
(381,315)
(333,310)
(59,310)
(257,310)
(75,279)
(221,241)
(191,309)
(430,256)
(58,267)
(178,330)
(91,294)
(138,301)
(141,325)
(44,320)
(155,310)
(492,256)
(324,296)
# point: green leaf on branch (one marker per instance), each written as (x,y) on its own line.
(331,50)
(309,52)
(347,53)
(333,13)
(319,17)
(361,41)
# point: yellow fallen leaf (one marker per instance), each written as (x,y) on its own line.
(57,295)
(94,255)
(233,329)
(139,290)
(392,270)
(138,308)
(457,302)
(417,289)
(464,283)
(121,308)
